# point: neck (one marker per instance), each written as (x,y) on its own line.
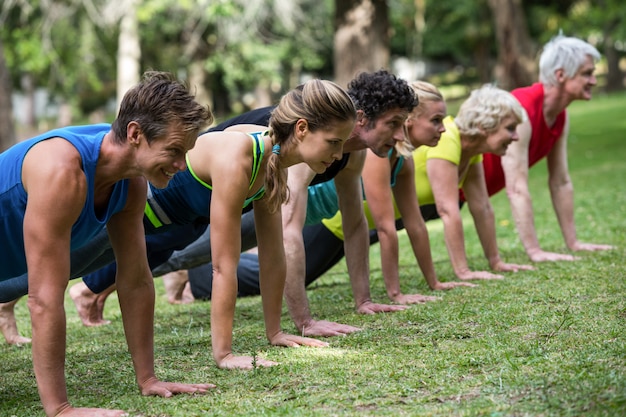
(554,102)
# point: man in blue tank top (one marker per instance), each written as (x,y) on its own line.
(59,189)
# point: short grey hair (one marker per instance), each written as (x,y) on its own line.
(484,110)
(566,53)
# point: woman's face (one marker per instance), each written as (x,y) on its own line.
(321,148)
(426,128)
(499,140)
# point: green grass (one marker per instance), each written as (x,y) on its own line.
(551,342)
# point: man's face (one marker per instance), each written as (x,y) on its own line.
(386,131)
(579,86)
(165,156)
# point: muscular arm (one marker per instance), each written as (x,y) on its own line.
(57,189)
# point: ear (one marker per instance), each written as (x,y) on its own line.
(361,118)
(560,75)
(133,133)
(301,129)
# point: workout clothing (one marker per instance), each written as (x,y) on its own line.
(13,197)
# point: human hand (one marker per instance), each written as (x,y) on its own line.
(290,340)
(325,328)
(90,412)
(579,246)
(231,361)
(372,308)
(543,256)
(414,298)
(504,267)
(469,275)
(443,286)
(153,386)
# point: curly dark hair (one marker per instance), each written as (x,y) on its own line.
(377,92)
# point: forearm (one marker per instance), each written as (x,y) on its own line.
(48,350)
(455,242)
(272,284)
(356,247)
(389,262)
(420,243)
(522,210)
(563,203)
(137,307)
(295,288)
(223,300)
(484,222)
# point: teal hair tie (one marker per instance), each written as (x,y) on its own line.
(276,149)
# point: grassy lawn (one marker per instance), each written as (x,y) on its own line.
(551,342)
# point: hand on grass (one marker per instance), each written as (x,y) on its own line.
(231,361)
(372,308)
(167,389)
(469,275)
(444,286)
(325,328)
(290,340)
(414,298)
(90,412)
(505,267)
(543,256)
(582,246)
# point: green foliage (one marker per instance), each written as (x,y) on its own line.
(548,342)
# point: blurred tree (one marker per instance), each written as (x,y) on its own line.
(361,41)
(7,130)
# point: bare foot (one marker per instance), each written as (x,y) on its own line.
(8,325)
(90,306)
(177,287)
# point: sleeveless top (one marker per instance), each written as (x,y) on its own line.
(542,139)
(187,199)
(13,198)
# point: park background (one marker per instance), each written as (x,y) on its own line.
(550,342)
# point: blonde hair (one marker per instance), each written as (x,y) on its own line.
(483,111)
(425,92)
(323,104)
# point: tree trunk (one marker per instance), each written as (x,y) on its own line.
(7,127)
(516,64)
(361,40)
(128,50)
(615,75)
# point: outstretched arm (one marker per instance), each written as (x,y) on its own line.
(294,215)
(135,288)
(356,233)
(443,176)
(408,205)
(562,193)
(515,167)
(484,220)
(272,268)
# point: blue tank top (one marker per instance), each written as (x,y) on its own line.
(87,140)
(187,199)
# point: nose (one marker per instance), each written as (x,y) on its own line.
(180,164)
(593,80)
(398,135)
